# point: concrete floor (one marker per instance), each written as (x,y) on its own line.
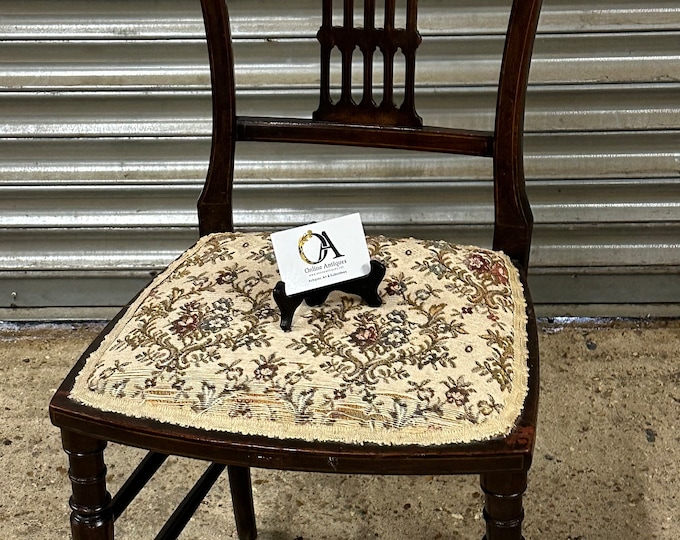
(606,463)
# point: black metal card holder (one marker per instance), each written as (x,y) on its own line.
(366,287)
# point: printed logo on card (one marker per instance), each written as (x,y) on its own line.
(323,245)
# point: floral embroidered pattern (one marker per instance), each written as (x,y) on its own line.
(443,360)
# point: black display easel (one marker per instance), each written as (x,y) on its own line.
(366,287)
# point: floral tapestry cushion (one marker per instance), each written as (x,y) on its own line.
(442,361)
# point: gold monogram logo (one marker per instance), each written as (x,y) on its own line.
(325,244)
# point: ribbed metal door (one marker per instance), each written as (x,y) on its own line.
(106,122)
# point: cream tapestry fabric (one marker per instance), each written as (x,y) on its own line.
(442,361)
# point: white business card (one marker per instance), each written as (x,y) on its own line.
(321,254)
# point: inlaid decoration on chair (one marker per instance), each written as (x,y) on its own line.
(439,377)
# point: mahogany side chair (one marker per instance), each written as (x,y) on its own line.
(441,379)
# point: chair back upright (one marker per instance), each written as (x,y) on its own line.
(376,119)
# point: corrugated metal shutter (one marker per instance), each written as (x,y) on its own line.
(106,117)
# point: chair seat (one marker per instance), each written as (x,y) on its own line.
(442,361)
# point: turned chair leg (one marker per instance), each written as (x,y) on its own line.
(91,516)
(242,499)
(503,509)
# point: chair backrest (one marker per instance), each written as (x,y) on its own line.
(373,122)
(369,39)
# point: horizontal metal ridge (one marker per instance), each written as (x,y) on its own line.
(182,64)
(93,249)
(116,19)
(167,113)
(592,245)
(416,202)
(635,156)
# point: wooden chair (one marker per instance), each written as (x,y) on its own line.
(196,365)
